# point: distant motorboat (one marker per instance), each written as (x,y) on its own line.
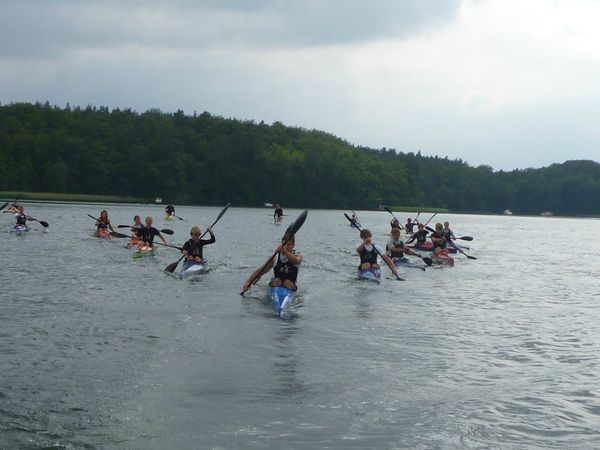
(158,200)
(547,213)
(268,205)
(507,212)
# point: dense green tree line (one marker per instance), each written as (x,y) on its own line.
(204,159)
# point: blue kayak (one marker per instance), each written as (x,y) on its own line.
(372,274)
(281,300)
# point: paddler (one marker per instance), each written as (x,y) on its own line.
(438,239)
(285,266)
(395,223)
(448,233)
(147,234)
(135,230)
(192,249)
(21,217)
(103,224)
(170,210)
(395,247)
(278,213)
(14,208)
(409,225)
(369,251)
(420,235)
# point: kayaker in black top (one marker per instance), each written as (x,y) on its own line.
(439,245)
(278,214)
(420,235)
(103,222)
(369,251)
(437,238)
(395,247)
(148,232)
(170,210)
(21,217)
(395,223)
(192,249)
(409,225)
(285,266)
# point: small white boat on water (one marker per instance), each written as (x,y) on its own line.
(547,213)
(507,212)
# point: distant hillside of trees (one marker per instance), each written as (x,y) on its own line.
(210,160)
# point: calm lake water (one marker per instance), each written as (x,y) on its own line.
(100,351)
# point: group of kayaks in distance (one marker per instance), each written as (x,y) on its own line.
(285,261)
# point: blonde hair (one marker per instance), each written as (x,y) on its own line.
(195,230)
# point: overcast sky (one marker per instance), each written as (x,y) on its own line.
(507,83)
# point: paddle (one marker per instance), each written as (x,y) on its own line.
(180,218)
(464,238)
(41,222)
(460,251)
(391,266)
(3,206)
(163,230)
(417,216)
(390,211)
(290,232)
(171,267)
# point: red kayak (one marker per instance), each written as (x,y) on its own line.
(427,247)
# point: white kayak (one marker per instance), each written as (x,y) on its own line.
(192,269)
(18,229)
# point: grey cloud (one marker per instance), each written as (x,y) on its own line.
(45,28)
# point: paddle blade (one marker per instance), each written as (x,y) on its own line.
(124,226)
(166,231)
(171,267)
(427,260)
(44,223)
(297,224)
(465,238)
(469,256)
(388,210)
(3,206)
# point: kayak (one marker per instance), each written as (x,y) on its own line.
(372,274)
(405,262)
(191,269)
(278,221)
(427,247)
(102,233)
(443,258)
(133,242)
(281,300)
(142,252)
(170,218)
(19,229)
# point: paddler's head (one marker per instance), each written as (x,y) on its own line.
(439,227)
(149,221)
(365,235)
(21,209)
(396,233)
(195,233)
(288,242)
(420,226)
(104,214)
(137,219)
(446,224)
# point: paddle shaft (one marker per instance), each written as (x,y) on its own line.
(390,211)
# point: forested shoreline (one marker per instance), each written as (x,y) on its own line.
(210,160)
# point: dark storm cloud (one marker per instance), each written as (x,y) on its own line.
(48,28)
